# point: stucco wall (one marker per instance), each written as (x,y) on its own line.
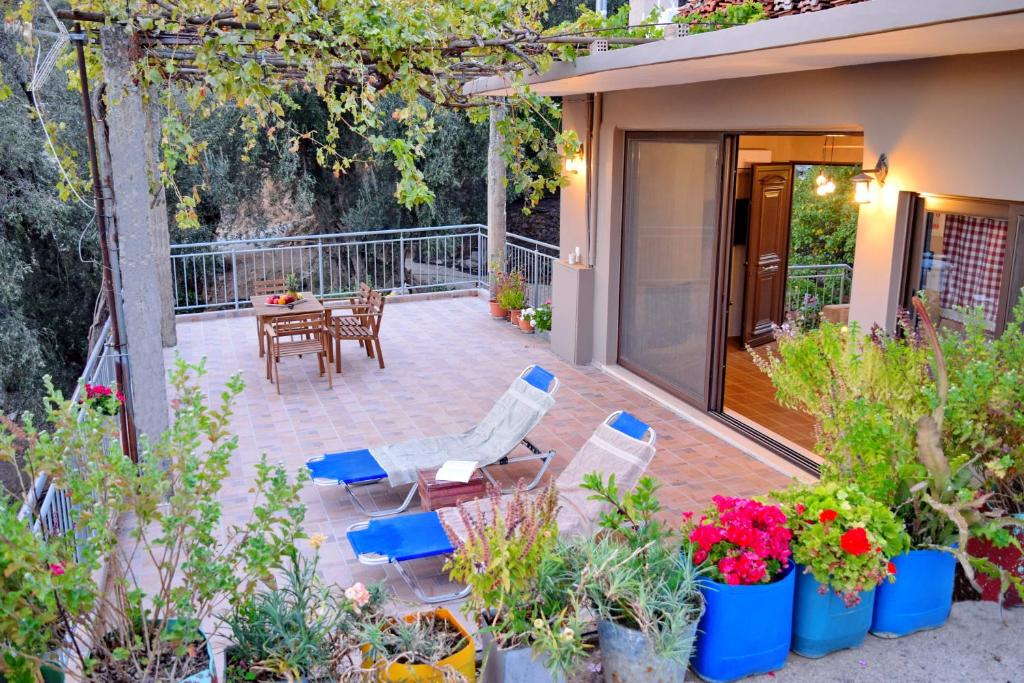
(948,126)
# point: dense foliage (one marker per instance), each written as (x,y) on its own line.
(48,248)
(823,228)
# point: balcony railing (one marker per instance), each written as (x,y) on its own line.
(221,275)
(828,283)
(47,507)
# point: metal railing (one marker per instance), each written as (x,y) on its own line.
(534,259)
(48,507)
(829,283)
(221,275)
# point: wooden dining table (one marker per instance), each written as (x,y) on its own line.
(264,311)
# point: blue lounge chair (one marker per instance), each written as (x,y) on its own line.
(415,536)
(490,443)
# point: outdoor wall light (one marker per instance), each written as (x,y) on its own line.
(862,181)
(575,164)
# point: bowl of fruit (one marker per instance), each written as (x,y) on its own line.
(289,299)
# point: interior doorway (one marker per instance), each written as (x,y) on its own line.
(793,236)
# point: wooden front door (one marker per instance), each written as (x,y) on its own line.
(767,249)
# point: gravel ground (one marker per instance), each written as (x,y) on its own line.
(977,644)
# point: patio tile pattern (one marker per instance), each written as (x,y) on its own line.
(447,362)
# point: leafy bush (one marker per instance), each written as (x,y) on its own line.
(842,537)
(539,317)
(512,291)
(148,630)
(507,557)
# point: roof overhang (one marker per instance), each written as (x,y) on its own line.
(863,33)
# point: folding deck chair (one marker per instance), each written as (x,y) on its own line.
(490,442)
(621,445)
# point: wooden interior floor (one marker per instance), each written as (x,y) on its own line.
(750,396)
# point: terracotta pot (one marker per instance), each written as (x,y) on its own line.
(497,312)
(525,325)
(514,315)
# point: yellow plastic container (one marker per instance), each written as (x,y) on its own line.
(463,661)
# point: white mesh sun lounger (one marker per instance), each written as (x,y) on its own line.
(621,445)
(506,426)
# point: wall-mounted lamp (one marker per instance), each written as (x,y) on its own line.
(862,181)
(575,164)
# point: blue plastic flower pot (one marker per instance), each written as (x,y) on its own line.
(823,623)
(745,630)
(920,598)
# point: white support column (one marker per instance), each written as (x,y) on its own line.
(142,254)
(495,189)
(158,221)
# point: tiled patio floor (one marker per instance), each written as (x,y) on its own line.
(447,362)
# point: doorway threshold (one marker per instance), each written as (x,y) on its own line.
(708,423)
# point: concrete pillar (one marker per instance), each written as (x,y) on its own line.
(127,139)
(495,189)
(158,220)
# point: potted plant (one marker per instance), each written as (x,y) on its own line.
(519,593)
(296,631)
(743,547)
(497,282)
(105,399)
(425,647)
(643,590)
(842,544)
(542,318)
(150,630)
(512,295)
(527,320)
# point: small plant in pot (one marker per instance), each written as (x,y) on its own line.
(527,320)
(496,281)
(842,544)
(644,591)
(300,630)
(520,593)
(743,547)
(512,295)
(426,647)
(542,317)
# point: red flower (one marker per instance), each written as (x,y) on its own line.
(56,569)
(827,516)
(892,569)
(855,541)
(800,508)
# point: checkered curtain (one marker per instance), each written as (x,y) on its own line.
(974,250)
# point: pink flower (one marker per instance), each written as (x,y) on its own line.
(57,569)
(358,594)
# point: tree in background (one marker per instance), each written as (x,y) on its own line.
(824,227)
(48,255)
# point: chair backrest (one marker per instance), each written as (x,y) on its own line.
(272,286)
(621,445)
(297,324)
(373,301)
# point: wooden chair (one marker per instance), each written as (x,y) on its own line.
(362,325)
(266,288)
(296,335)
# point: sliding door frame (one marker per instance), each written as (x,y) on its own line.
(725,179)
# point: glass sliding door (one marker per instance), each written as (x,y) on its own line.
(669,234)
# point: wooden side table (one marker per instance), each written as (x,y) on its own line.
(441,494)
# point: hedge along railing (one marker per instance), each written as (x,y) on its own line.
(53,515)
(829,283)
(220,275)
